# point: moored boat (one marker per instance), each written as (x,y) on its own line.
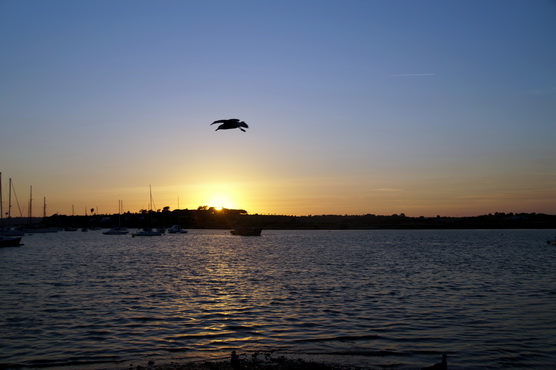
(10,241)
(40,230)
(11,232)
(176,229)
(148,232)
(553,242)
(117,231)
(247,231)
(5,229)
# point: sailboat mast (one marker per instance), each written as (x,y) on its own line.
(151,198)
(1,199)
(10,199)
(31,204)
(120,208)
(44,208)
(178,214)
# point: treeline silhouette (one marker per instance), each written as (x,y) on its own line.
(211,218)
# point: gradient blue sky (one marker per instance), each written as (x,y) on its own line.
(354,107)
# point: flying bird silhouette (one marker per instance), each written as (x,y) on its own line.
(227,124)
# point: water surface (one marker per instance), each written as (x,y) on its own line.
(487,298)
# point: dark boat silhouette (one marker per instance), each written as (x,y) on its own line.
(247,231)
(148,232)
(10,241)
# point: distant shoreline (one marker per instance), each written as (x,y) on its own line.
(230,218)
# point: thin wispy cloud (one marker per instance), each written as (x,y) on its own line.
(544,91)
(412,75)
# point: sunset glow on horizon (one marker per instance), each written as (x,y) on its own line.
(422,108)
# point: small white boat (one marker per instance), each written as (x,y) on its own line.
(117,231)
(176,229)
(148,232)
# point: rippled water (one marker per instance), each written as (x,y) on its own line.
(487,298)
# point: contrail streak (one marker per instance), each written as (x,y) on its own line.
(412,75)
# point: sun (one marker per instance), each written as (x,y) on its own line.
(220,201)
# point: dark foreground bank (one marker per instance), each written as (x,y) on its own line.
(247,361)
(225,365)
(279,363)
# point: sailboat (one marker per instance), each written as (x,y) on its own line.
(8,237)
(71,228)
(118,230)
(37,228)
(176,229)
(149,231)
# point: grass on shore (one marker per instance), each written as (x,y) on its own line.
(280,363)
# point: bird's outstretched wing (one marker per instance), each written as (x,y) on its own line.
(226,120)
